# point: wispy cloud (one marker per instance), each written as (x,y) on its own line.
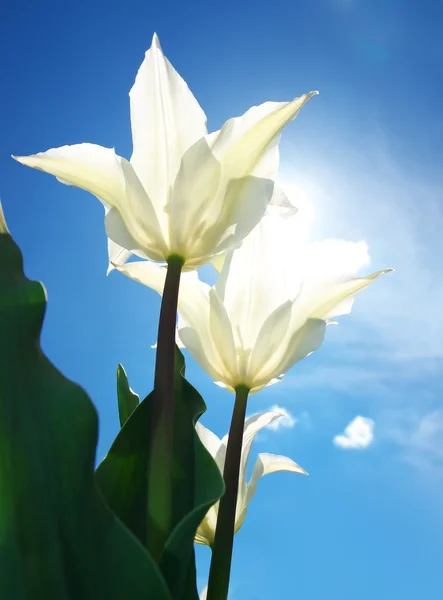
(419,438)
(359,433)
(287,421)
(369,194)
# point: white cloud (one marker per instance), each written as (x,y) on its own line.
(359,433)
(287,421)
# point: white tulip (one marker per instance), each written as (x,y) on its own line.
(271,304)
(265,464)
(183,192)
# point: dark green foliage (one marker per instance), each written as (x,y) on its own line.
(197,481)
(58,540)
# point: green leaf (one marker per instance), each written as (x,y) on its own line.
(128,400)
(58,539)
(197,481)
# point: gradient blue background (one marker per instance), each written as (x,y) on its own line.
(366,156)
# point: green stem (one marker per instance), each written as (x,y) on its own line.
(220,570)
(160,472)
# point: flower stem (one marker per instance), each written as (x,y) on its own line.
(220,570)
(159,483)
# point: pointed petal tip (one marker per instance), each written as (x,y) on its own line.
(382,272)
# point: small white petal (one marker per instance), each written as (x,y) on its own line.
(280,205)
(265,464)
(206,530)
(252,426)
(210,441)
(270,463)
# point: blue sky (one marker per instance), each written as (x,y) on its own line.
(363,159)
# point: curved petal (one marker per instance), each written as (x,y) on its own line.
(210,441)
(265,464)
(216,447)
(332,301)
(117,255)
(269,346)
(145,272)
(90,167)
(221,332)
(230,215)
(248,145)
(300,344)
(194,329)
(247,149)
(166,120)
(252,426)
(206,530)
(257,277)
(112,179)
(270,463)
(119,240)
(279,206)
(192,201)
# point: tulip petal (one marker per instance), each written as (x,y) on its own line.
(248,145)
(221,331)
(117,255)
(300,344)
(194,313)
(211,442)
(119,240)
(112,179)
(270,463)
(225,183)
(207,215)
(252,426)
(166,120)
(279,206)
(257,277)
(265,464)
(269,347)
(206,530)
(192,198)
(87,166)
(247,150)
(330,303)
